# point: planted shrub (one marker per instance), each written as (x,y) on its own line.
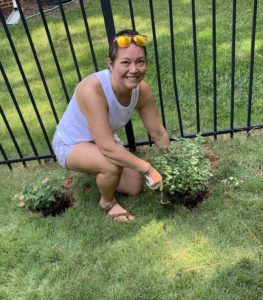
(47,195)
(184,168)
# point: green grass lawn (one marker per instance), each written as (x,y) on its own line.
(211,252)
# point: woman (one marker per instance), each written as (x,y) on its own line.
(85,139)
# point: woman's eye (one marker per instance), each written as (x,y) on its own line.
(125,63)
(141,62)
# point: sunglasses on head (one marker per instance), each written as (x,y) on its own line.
(125,40)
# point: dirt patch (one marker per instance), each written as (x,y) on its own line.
(58,207)
(188,200)
(30,7)
(214,159)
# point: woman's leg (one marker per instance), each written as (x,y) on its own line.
(130,182)
(86,157)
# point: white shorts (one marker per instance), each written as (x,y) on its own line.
(61,150)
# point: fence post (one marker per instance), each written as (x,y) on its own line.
(110,29)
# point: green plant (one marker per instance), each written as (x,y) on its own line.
(184,167)
(42,193)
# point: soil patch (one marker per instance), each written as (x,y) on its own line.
(214,159)
(30,7)
(188,200)
(58,207)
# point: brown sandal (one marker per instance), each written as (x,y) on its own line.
(108,207)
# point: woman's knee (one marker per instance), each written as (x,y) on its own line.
(130,183)
(136,189)
(108,176)
(112,169)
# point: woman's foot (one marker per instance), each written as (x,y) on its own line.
(117,212)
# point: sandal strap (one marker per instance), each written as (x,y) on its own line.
(108,207)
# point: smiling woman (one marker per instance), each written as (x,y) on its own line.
(86,137)
(127,71)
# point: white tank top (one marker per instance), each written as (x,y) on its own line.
(73,126)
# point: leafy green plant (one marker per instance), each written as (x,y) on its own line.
(184,167)
(231,183)
(42,193)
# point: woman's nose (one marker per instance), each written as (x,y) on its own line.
(133,68)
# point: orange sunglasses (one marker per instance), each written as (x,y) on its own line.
(125,40)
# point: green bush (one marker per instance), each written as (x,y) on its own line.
(184,167)
(42,193)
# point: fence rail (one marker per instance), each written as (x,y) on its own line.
(107,12)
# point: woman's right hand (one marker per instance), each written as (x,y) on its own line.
(153,179)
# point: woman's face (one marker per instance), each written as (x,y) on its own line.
(129,67)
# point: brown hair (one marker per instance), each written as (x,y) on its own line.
(113,49)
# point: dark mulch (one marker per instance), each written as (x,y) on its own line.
(58,207)
(188,200)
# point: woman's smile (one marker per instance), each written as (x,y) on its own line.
(129,67)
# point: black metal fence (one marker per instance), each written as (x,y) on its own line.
(109,21)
